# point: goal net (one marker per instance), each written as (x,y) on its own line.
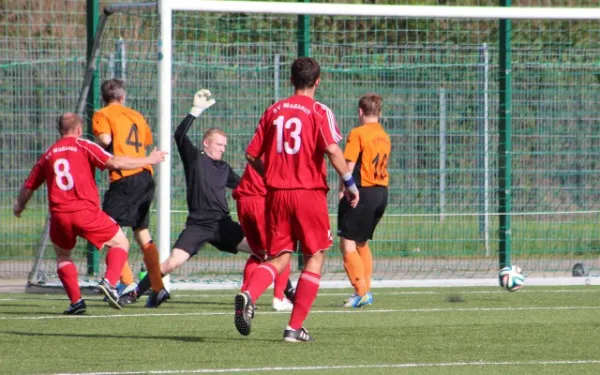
(467,182)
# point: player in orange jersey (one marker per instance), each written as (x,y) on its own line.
(367,153)
(124,131)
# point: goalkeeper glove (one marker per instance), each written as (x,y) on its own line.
(201,102)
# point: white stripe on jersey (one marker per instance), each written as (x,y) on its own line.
(90,143)
(332,125)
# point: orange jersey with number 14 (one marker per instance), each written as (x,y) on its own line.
(369,146)
(129,131)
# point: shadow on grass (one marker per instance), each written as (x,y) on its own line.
(204,303)
(18,305)
(128,336)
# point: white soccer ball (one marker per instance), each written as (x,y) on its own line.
(511,278)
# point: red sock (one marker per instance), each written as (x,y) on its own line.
(306,293)
(281,282)
(67,273)
(261,279)
(115,260)
(251,265)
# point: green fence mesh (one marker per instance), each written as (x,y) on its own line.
(439,83)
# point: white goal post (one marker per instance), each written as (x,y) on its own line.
(166,8)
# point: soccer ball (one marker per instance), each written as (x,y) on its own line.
(511,278)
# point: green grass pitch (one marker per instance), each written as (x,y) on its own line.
(538,330)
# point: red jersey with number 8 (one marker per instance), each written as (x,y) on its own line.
(68,170)
(292,135)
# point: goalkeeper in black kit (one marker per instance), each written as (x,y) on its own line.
(206,177)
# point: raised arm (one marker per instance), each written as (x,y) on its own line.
(186,148)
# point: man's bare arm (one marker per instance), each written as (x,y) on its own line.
(21,201)
(257,164)
(336,157)
(127,162)
(104,140)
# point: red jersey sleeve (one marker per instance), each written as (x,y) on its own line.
(95,154)
(329,132)
(37,176)
(256,146)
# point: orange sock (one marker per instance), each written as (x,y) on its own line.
(356,272)
(152,263)
(367,259)
(126,274)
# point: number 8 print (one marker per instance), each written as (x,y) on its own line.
(61,170)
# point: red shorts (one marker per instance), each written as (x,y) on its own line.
(251,216)
(297,215)
(92,224)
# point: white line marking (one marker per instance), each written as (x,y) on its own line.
(347,311)
(377,292)
(341,367)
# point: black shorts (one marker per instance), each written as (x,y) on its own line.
(224,234)
(358,224)
(128,200)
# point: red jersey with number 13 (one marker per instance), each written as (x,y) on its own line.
(68,170)
(292,135)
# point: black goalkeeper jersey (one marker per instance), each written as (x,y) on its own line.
(205,178)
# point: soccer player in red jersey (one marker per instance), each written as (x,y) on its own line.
(67,168)
(250,201)
(293,136)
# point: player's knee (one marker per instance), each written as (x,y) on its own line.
(142,236)
(63,261)
(347,245)
(174,261)
(281,262)
(119,240)
(314,263)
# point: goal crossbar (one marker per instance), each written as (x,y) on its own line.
(409,11)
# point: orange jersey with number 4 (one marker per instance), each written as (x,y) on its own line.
(369,146)
(129,131)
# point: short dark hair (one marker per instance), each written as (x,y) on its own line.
(370,104)
(305,72)
(68,122)
(112,90)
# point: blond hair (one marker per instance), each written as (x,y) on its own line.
(212,131)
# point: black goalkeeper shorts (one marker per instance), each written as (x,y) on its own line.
(224,234)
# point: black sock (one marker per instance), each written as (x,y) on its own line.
(143,285)
(289,291)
